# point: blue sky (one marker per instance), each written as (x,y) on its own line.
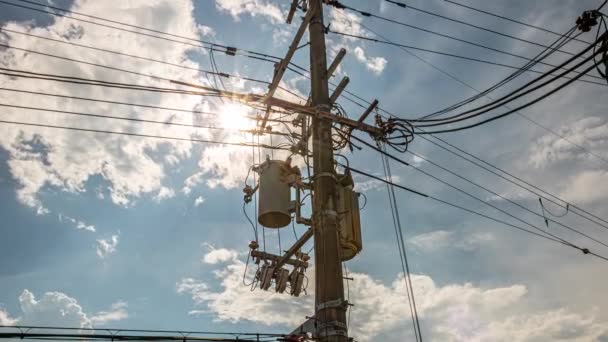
(116,231)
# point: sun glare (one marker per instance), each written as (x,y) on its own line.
(234,116)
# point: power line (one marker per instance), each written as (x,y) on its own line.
(475,197)
(369,14)
(164,123)
(90,130)
(560,87)
(405,6)
(387,42)
(456,206)
(502,197)
(511,96)
(201,43)
(511,19)
(467,85)
(221,74)
(556,200)
(401,247)
(93,82)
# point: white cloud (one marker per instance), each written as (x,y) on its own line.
(375,64)
(219,255)
(590,132)
(164,193)
(264,8)
(106,247)
(117,312)
(366,184)
(77,223)
(206,31)
(442,239)
(6,319)
(51,309)
(42,158)
(59,309)
(586,187)
(452,312)
(198,201)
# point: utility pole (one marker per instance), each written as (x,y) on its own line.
(330,307)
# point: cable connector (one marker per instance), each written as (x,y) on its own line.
(587,20)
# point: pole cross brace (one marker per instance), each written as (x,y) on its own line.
(337,303)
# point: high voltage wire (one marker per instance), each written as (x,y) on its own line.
(406,6)
(457,206)
(401,247)
(92,82)
(547,196)
(512,96)
(369,14)
(477,198)
(502,197)
(221,74)
(141,135)
(467,85)
(201,43)
(510,19)
(164,123)
(189,111)
(101,66)
(387,42)
(565,39)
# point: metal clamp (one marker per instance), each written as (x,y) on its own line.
(326,174)
(337,303)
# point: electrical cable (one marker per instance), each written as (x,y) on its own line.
(541,193)
(201,43)
(401,247)
(221,74)
(166,123)
(373,15)
(90,130)
(478,199)
(560,87)
(510,19)
(386,42)
(542,55)
(510,97)
(503,197)
(456,206)
(405,6)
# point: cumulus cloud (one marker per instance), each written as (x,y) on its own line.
(589,132)
(106,247)
(77,223)
(6,319)
(218,255)
(375,64)
(263,8)
(450,312)
(442,239)
(586,187)
(59,309)
(42,158)
(117,312)
(164,193)
(198,201)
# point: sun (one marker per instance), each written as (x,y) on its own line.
(234,116)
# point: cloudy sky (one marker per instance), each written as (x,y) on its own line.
(103,230)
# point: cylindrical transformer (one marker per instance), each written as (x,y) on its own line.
(350,223)
(274,198)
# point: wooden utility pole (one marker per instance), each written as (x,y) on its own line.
(330,307)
